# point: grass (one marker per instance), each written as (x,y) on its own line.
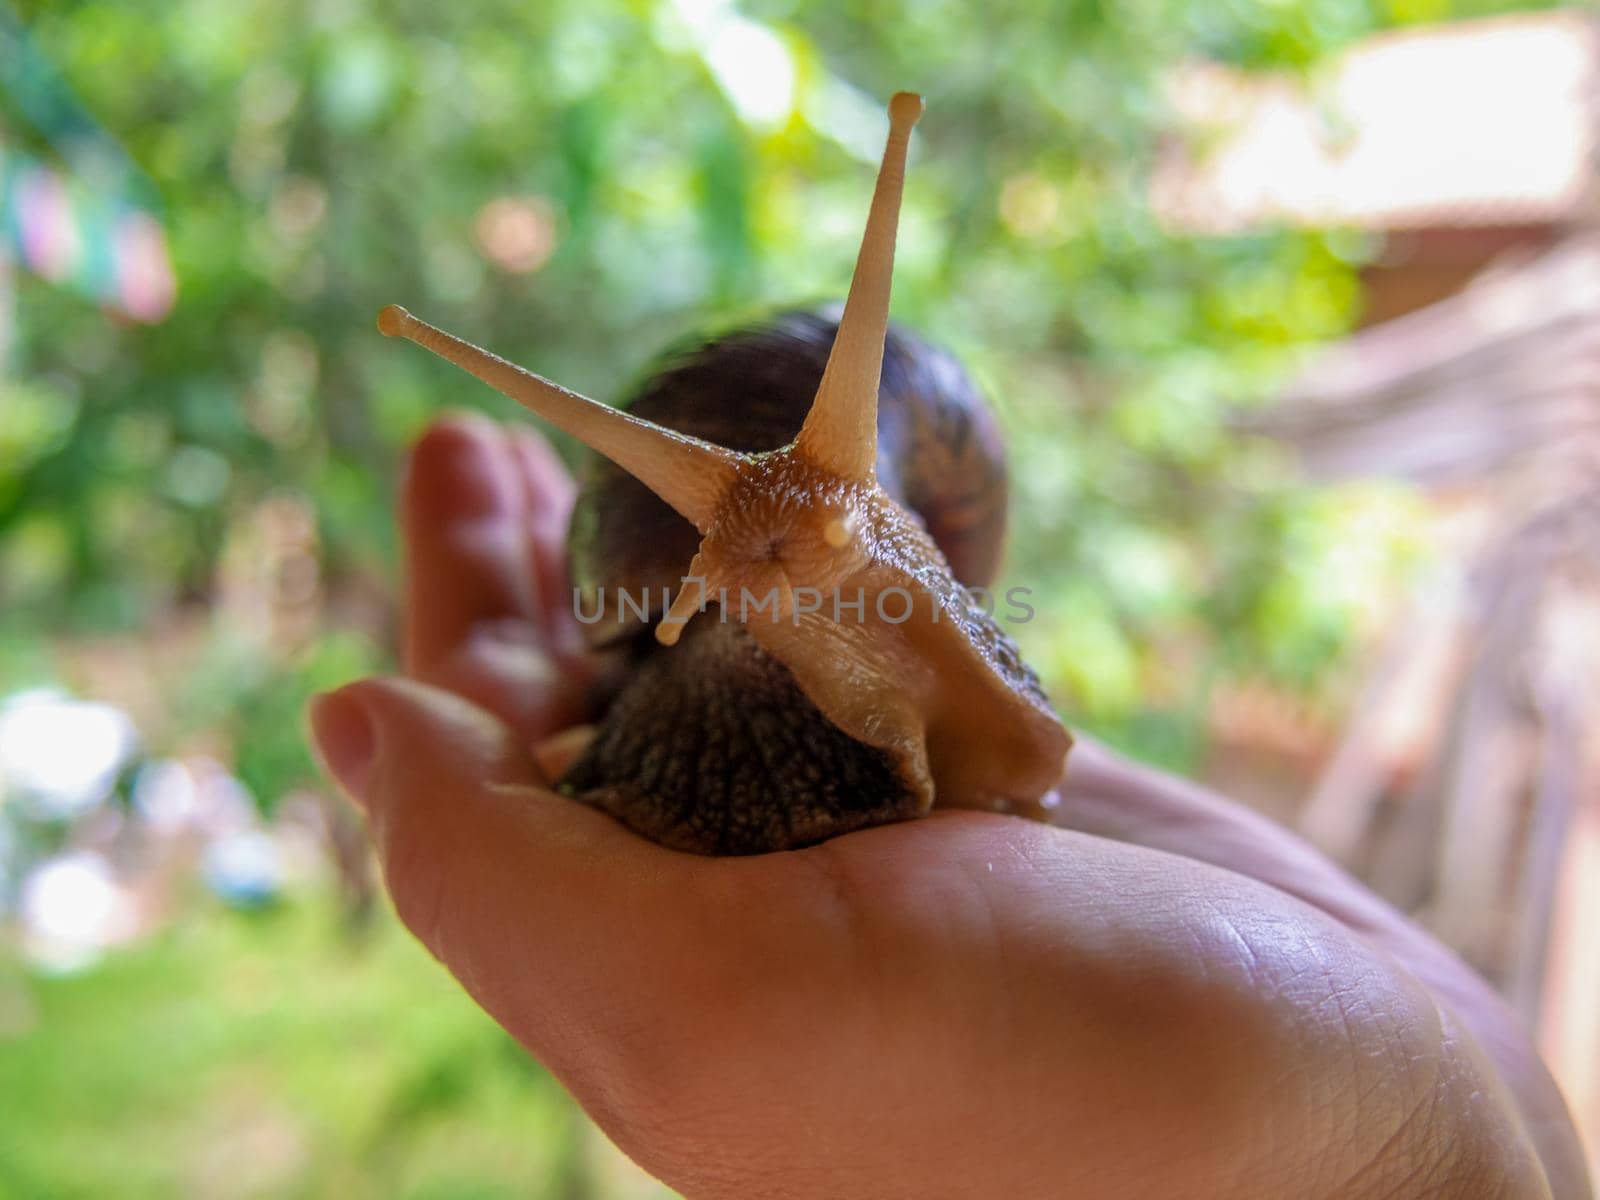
(277,1054)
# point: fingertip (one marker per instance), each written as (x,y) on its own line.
(458,470)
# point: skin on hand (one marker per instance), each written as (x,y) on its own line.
(1169,997)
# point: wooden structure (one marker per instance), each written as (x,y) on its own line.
(1455,143)
(1466,784)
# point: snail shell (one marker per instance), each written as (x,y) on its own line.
(841,676)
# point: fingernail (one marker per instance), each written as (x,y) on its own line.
(345,740)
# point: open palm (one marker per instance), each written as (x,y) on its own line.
(1166,996)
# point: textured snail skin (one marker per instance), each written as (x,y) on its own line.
(713,745)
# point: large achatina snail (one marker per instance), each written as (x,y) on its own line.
(843,676)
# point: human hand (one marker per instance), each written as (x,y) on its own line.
(1169,997)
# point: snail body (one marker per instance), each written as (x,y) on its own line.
(710,744)
(841,675)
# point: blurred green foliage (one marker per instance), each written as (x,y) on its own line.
(679,162)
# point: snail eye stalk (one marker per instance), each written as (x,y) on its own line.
(689,474)
(840,433)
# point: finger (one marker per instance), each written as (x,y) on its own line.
(484,513)
(464,517)
(1110,796)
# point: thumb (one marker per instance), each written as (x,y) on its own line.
(577,936)
(450,797)
(463,823)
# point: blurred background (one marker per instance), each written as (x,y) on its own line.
(1289,310)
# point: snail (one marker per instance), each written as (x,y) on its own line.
(822,666)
